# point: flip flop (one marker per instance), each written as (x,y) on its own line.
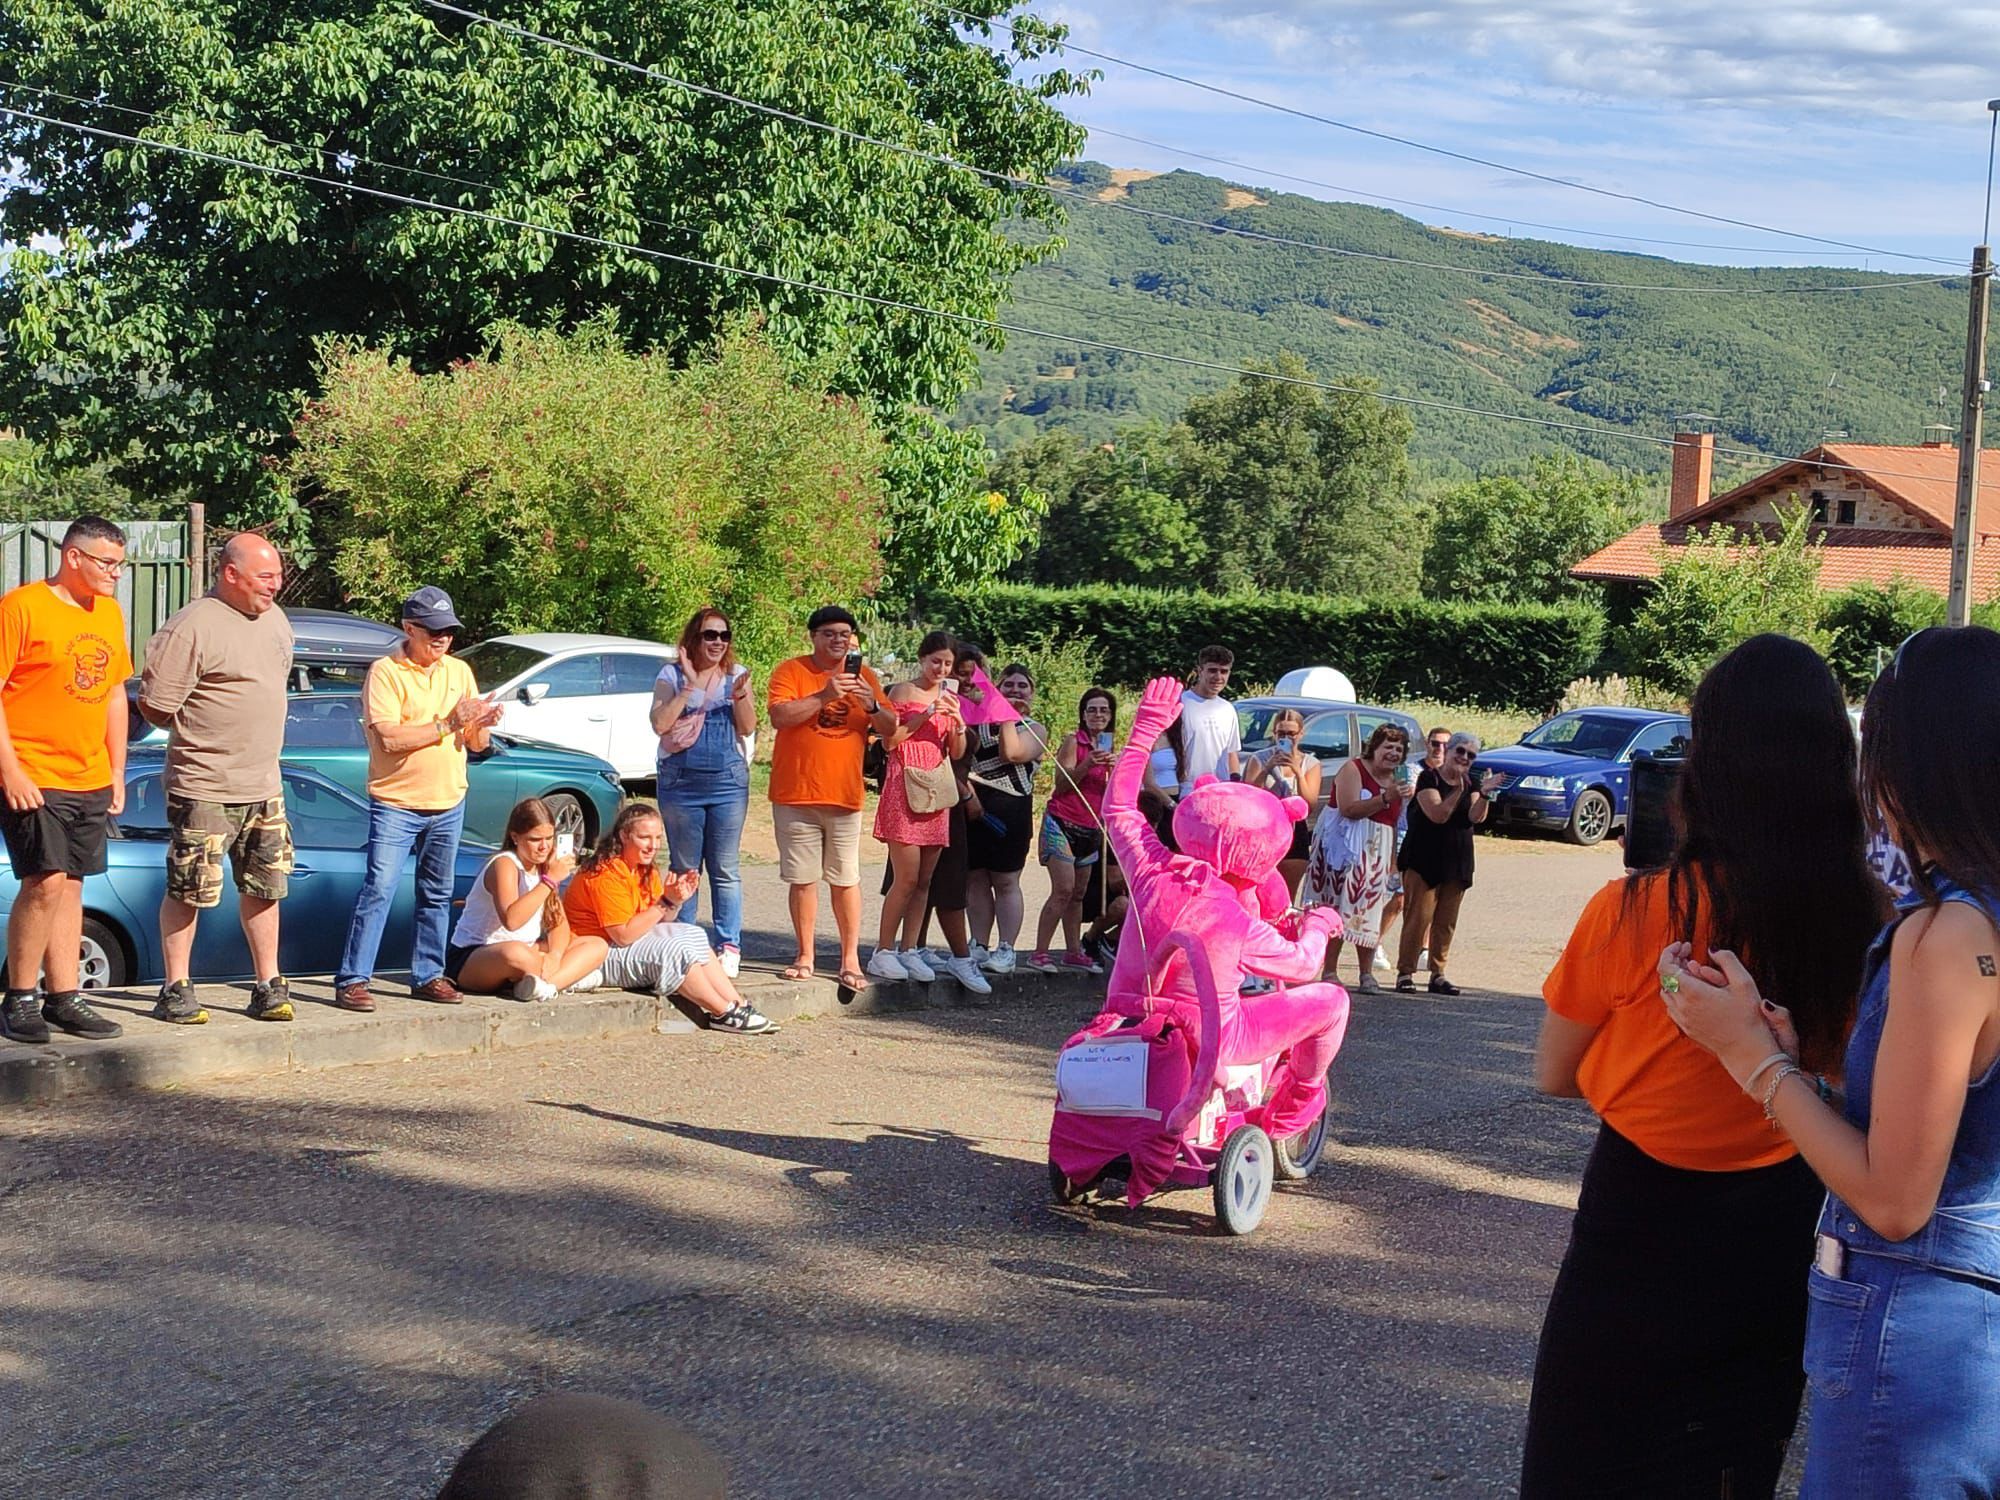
(852,983)
(796,972)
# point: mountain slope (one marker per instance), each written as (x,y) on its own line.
(1776,372)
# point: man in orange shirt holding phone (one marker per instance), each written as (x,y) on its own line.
(822,706)
(63,665)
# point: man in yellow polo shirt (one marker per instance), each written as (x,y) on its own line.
(422,712)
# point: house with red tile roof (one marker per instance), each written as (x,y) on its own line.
(1879,512)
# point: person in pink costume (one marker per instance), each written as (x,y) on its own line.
(1222,892)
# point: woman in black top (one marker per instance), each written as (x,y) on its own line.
(1437,861)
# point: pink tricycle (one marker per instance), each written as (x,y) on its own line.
(1148,1099)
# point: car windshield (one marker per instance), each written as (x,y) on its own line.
(1601,736)
(495,662)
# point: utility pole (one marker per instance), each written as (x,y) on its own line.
(1965,517)
(1958,609)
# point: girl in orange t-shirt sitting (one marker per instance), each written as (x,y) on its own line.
(1669,1361)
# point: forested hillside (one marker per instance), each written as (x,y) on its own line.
(1775,371)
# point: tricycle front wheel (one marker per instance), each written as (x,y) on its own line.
(1243,1177)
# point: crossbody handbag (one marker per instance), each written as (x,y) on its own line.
(930,789)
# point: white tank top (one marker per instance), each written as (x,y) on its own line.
(479,923)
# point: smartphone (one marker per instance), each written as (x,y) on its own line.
(565,845)
(1286,744)
(1104,741)
(950,684)
(854,664)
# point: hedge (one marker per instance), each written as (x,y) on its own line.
(1494,656)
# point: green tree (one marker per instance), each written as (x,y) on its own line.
(568,482)
(1720,589)
(1114,515)
(947,525)
(169,319)
(1297,488)
(1511,538)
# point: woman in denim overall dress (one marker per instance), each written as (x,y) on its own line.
(1903,1334)
(703,774)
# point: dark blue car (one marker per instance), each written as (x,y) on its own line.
(1573,773)
(121,927)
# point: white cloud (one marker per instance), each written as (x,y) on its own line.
(1912,61)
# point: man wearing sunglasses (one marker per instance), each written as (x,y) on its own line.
(423,714)
(63,665)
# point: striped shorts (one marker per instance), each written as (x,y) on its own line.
(660,960)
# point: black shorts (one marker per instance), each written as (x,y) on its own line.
(1302,839)
(1002,850)
(455,957)
(64,836)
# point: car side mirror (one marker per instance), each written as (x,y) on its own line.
(533,692)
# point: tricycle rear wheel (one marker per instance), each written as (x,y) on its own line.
(1296,1156)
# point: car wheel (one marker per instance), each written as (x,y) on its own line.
(1589,819)
(571,817)
(103,962)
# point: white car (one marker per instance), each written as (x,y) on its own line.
(583,692)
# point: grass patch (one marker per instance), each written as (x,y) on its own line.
(1494,726)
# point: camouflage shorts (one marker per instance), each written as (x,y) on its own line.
(256,836)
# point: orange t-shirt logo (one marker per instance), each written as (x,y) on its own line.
(90,664)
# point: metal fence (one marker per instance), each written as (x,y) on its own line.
(155,582)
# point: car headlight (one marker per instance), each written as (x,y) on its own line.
(1540,783)
(612,777)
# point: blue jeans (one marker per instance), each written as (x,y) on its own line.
(705,831)
(392,833)
(1901,1361)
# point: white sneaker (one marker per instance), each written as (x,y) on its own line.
(978,953)
(594,980)
(1424,959)
(884,964)
(966,972)
(533,987)
(916,965)
(999,961)
(1383,961)
(731,958)
(937,958)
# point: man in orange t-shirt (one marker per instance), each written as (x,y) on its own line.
(63,665)
(822,706)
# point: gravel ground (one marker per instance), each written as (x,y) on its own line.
(832,1252)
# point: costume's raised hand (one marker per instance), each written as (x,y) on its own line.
(1159,706)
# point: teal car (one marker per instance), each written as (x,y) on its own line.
(323,731)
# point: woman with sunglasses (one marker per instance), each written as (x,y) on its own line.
(703,712)
(1436,861)
(1902,1325)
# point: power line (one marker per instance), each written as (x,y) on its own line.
(892,303)
(1416,145)
(1273,173)
(1119,205)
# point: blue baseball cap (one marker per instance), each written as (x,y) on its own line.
(430,607)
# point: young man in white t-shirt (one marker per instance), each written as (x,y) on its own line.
(1210,735)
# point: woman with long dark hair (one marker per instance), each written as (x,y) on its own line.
(1073,831)
(1902,1347)
(1669,1358)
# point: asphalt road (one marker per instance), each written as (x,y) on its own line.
(832,1252)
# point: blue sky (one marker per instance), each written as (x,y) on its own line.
(1856,121)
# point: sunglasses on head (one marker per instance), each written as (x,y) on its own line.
(714,635)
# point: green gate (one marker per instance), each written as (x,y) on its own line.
(154,584)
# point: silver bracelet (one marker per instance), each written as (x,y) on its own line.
(1789,1070)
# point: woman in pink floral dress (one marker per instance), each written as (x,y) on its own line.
(929,734)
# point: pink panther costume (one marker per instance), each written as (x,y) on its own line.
(1223,895)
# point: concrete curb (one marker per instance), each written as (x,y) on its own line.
(152,1054)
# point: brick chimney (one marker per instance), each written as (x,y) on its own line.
(1694,466)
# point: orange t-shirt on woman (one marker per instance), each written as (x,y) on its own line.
(1666,1095)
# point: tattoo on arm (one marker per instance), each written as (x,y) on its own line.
(1986,966)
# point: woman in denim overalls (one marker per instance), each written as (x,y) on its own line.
(703,773)
(1903,1337)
